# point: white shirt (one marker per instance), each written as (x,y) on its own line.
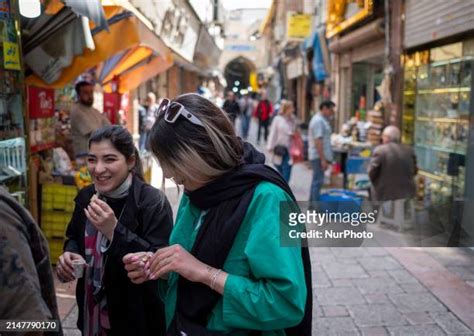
(280,132)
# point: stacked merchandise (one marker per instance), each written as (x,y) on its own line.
(375,119)
(57,206)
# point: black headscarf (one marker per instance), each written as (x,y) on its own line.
(227,197)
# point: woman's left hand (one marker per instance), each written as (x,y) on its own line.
(176,259)
(101,215)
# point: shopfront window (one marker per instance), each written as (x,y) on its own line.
(436,118)
(367,76)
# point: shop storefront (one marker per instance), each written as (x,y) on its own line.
(438,111)
(117,53)
(13,121)
(358,70)
(436,116)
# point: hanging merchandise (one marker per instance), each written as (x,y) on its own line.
(4,10)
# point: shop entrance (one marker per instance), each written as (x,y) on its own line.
(366,77)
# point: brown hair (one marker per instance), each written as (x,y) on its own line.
(198,153)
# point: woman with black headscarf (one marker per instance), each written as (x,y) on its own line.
(225,269)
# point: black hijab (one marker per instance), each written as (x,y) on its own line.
(227,197)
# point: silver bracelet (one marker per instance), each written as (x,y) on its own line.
(214,278)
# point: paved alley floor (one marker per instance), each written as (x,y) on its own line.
(371,291)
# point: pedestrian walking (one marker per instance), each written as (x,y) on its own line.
(84,119)
(246,110)
(147,119)
(263,112)
(26,277)
(225,268)
(231,107)
(118,214)
(319,146)
(392,168)
(279,142)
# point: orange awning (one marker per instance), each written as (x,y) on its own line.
(130,33)
(133,77)
(122,35)
(133,57)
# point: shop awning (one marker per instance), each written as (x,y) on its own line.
(268,18)
(122,35)
(126,32)
(133,67)
(140,72)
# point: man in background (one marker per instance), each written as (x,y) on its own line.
(147,119)
(84,119)
(319,146)
(392,168)
(246,110)
(26,277)
(231,107)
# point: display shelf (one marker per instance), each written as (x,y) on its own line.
(445,90)
(42,147)
(448,120)
(441,178)
(423,119)
(438,120)
(441,149)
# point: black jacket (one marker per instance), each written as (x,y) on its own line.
(232,108)
(145,225)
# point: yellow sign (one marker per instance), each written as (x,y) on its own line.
(11,56)
(298,26)
(337,14)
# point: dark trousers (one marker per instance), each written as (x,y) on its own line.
(263,124)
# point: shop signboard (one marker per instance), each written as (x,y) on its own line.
(40,102)
(111,106)
(344,13)
(298,26)
(296,68)
(240,47)
(179,30)
(11,56)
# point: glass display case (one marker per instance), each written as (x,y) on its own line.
(436,115)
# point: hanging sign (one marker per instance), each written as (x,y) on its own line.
(298,25)
(40,102)
(11,56)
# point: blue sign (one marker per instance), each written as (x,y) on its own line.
(240,47)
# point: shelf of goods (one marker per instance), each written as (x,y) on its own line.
(57,206)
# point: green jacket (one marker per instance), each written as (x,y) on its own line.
(265,289)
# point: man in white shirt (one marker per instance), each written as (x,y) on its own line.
(84,119)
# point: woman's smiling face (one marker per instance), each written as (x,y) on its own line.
(108,167)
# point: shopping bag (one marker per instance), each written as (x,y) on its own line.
(297,148)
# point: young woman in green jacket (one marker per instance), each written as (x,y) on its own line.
(225,271)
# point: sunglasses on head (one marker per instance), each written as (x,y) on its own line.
(172,110)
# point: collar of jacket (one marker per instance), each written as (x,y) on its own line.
(129,217)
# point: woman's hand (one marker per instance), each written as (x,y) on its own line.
(176,259)
(64,268)
(137,266)
(102,217)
